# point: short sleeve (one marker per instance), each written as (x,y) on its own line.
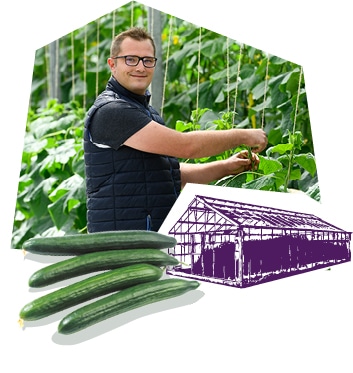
(113,123)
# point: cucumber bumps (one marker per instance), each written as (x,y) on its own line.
(132,266)
(98,261)
(88,289)
(77,244)
(124,301)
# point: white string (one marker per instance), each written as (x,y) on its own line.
(198,70)
(298,94)
(47,62)
(265,90)
(237,82)
(97,65)
(152,19)
(228,76)
(166,64)
(57,70)
(85,69)
(73,65)
(132,14)
(113,28)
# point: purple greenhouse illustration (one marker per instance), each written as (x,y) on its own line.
(241,245)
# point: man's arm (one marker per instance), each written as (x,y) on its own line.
(204,173)
(158,139)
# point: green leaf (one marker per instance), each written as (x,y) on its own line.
(275,136)
(39,190)
(213,47)
(269,165)
(71,184)
(277,96)
(247,71)
(296,139)
(78,164)
(277,60)
(32,145)
(295,174)
(259,90)
(286,110)
(314,192)
(72,203)
(68,195)
(235,181)
(307,161)
(266,182)
(57,212)
(183,126)
(260,107)
(24,181)
(59,156)
(291,81)
(280,148)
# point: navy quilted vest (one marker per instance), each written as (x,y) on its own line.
(127,189)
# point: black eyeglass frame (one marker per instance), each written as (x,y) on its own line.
(138,61)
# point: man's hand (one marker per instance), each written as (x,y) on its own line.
(241,162)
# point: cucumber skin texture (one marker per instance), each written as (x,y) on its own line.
(88,289)
(77,244)
(97,261)
(124,301)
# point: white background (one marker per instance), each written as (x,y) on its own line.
(301,324)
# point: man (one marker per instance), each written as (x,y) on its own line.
(133,176)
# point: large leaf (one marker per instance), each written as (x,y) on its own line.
(290,82)
(260,90)
(265,182)
(277,96)
(212,48)
(307,161)
(68,195)
(269,165)
(286,124)
(59,156)
(33,146)
(233,181)
(279,148)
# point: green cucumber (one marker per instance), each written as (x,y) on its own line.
(77,244)
(123,301)
(98,261)
(88,289)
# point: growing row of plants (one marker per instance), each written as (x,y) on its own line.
(211,82)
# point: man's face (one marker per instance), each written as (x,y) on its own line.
(134,78)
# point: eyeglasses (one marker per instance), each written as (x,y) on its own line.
(135,60)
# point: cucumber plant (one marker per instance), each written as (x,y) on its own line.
(285,164)
(283,167)
(51,190)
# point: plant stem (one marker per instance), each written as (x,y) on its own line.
(286,181)
(252,162)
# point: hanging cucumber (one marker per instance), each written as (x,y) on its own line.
(98,261)
(77,244)
(88,289)
(123,301)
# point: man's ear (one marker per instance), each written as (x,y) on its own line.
(111,62)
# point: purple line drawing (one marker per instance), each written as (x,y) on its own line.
(241,245)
